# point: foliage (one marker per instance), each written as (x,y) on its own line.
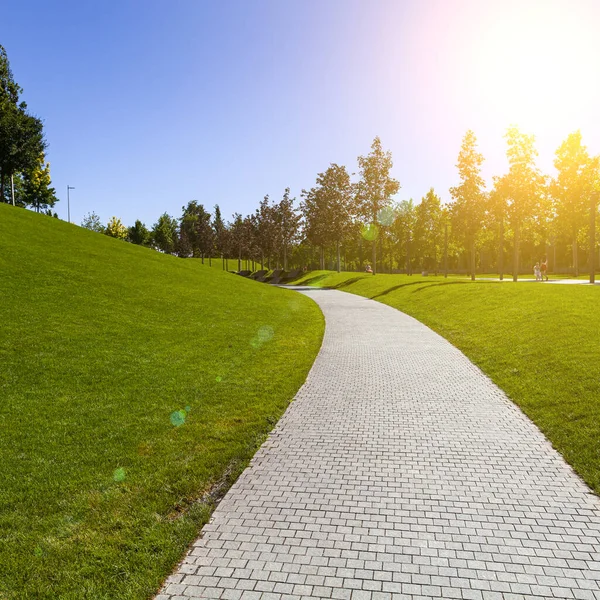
(164,233)
(468,208)
(37,190)
(575,181)
(21,134)
(376,187)
(114,228)
(139,234)
(524,184)
(429,230)
(92,222)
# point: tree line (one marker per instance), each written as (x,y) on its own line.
(24,172)
(342,224)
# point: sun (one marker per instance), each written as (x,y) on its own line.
(537,66)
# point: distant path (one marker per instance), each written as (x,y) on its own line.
(399,471)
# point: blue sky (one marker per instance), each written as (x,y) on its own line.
(150,104)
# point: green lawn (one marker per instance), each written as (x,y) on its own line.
(539,342)
(135,386)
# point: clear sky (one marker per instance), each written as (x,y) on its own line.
(150,104)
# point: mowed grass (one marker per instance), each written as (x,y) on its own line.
(539,342)
(135,387)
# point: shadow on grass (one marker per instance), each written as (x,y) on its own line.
(430,285)
(424,285)
(397,287)
(348,282)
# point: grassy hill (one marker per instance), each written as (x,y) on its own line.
(539,342)
(135,386)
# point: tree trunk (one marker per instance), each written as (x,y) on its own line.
(202,257)
(446,250)
(516,253)
(239,259)
(374,256)
(408,265)
(592,260)
(501,251)
(339,268)
(2,186)
(262,260)
(210,261)
(12,190)
(473,259)
(575,256)
(322,258)
(360,254)
(285,257)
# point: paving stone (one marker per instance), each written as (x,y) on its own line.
(399,471)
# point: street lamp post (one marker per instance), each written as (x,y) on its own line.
(69,187)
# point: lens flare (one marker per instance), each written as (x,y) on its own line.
(178,417)
(119,474)
(370,232)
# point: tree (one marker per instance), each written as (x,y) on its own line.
(37,190)
(239,235)
(164,233)
(375,188)
(497,203)
(92,222)
(21,134)
(220,234)
(403,229)
(195,232)
(265,231)
(114,228)
(572,188)
(286,222)
(139,234)
(429,230)
(469,196)
(328,209)
(524,185)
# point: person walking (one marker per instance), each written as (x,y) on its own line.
(544,269)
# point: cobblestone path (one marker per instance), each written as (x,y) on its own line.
(399,471)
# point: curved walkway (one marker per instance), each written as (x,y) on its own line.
(399,471)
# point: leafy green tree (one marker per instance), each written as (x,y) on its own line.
(403,230)
(286,222)
(114,228)
(429,230)
(220,234)
(37,190)
(164,233)
(524,186)
(139,234)
(469,197)
(497,209)
(239,236)
(92,222)
(21,134)
(572,188)
(196,236)
(329,209)
(376,187)
(265,231)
